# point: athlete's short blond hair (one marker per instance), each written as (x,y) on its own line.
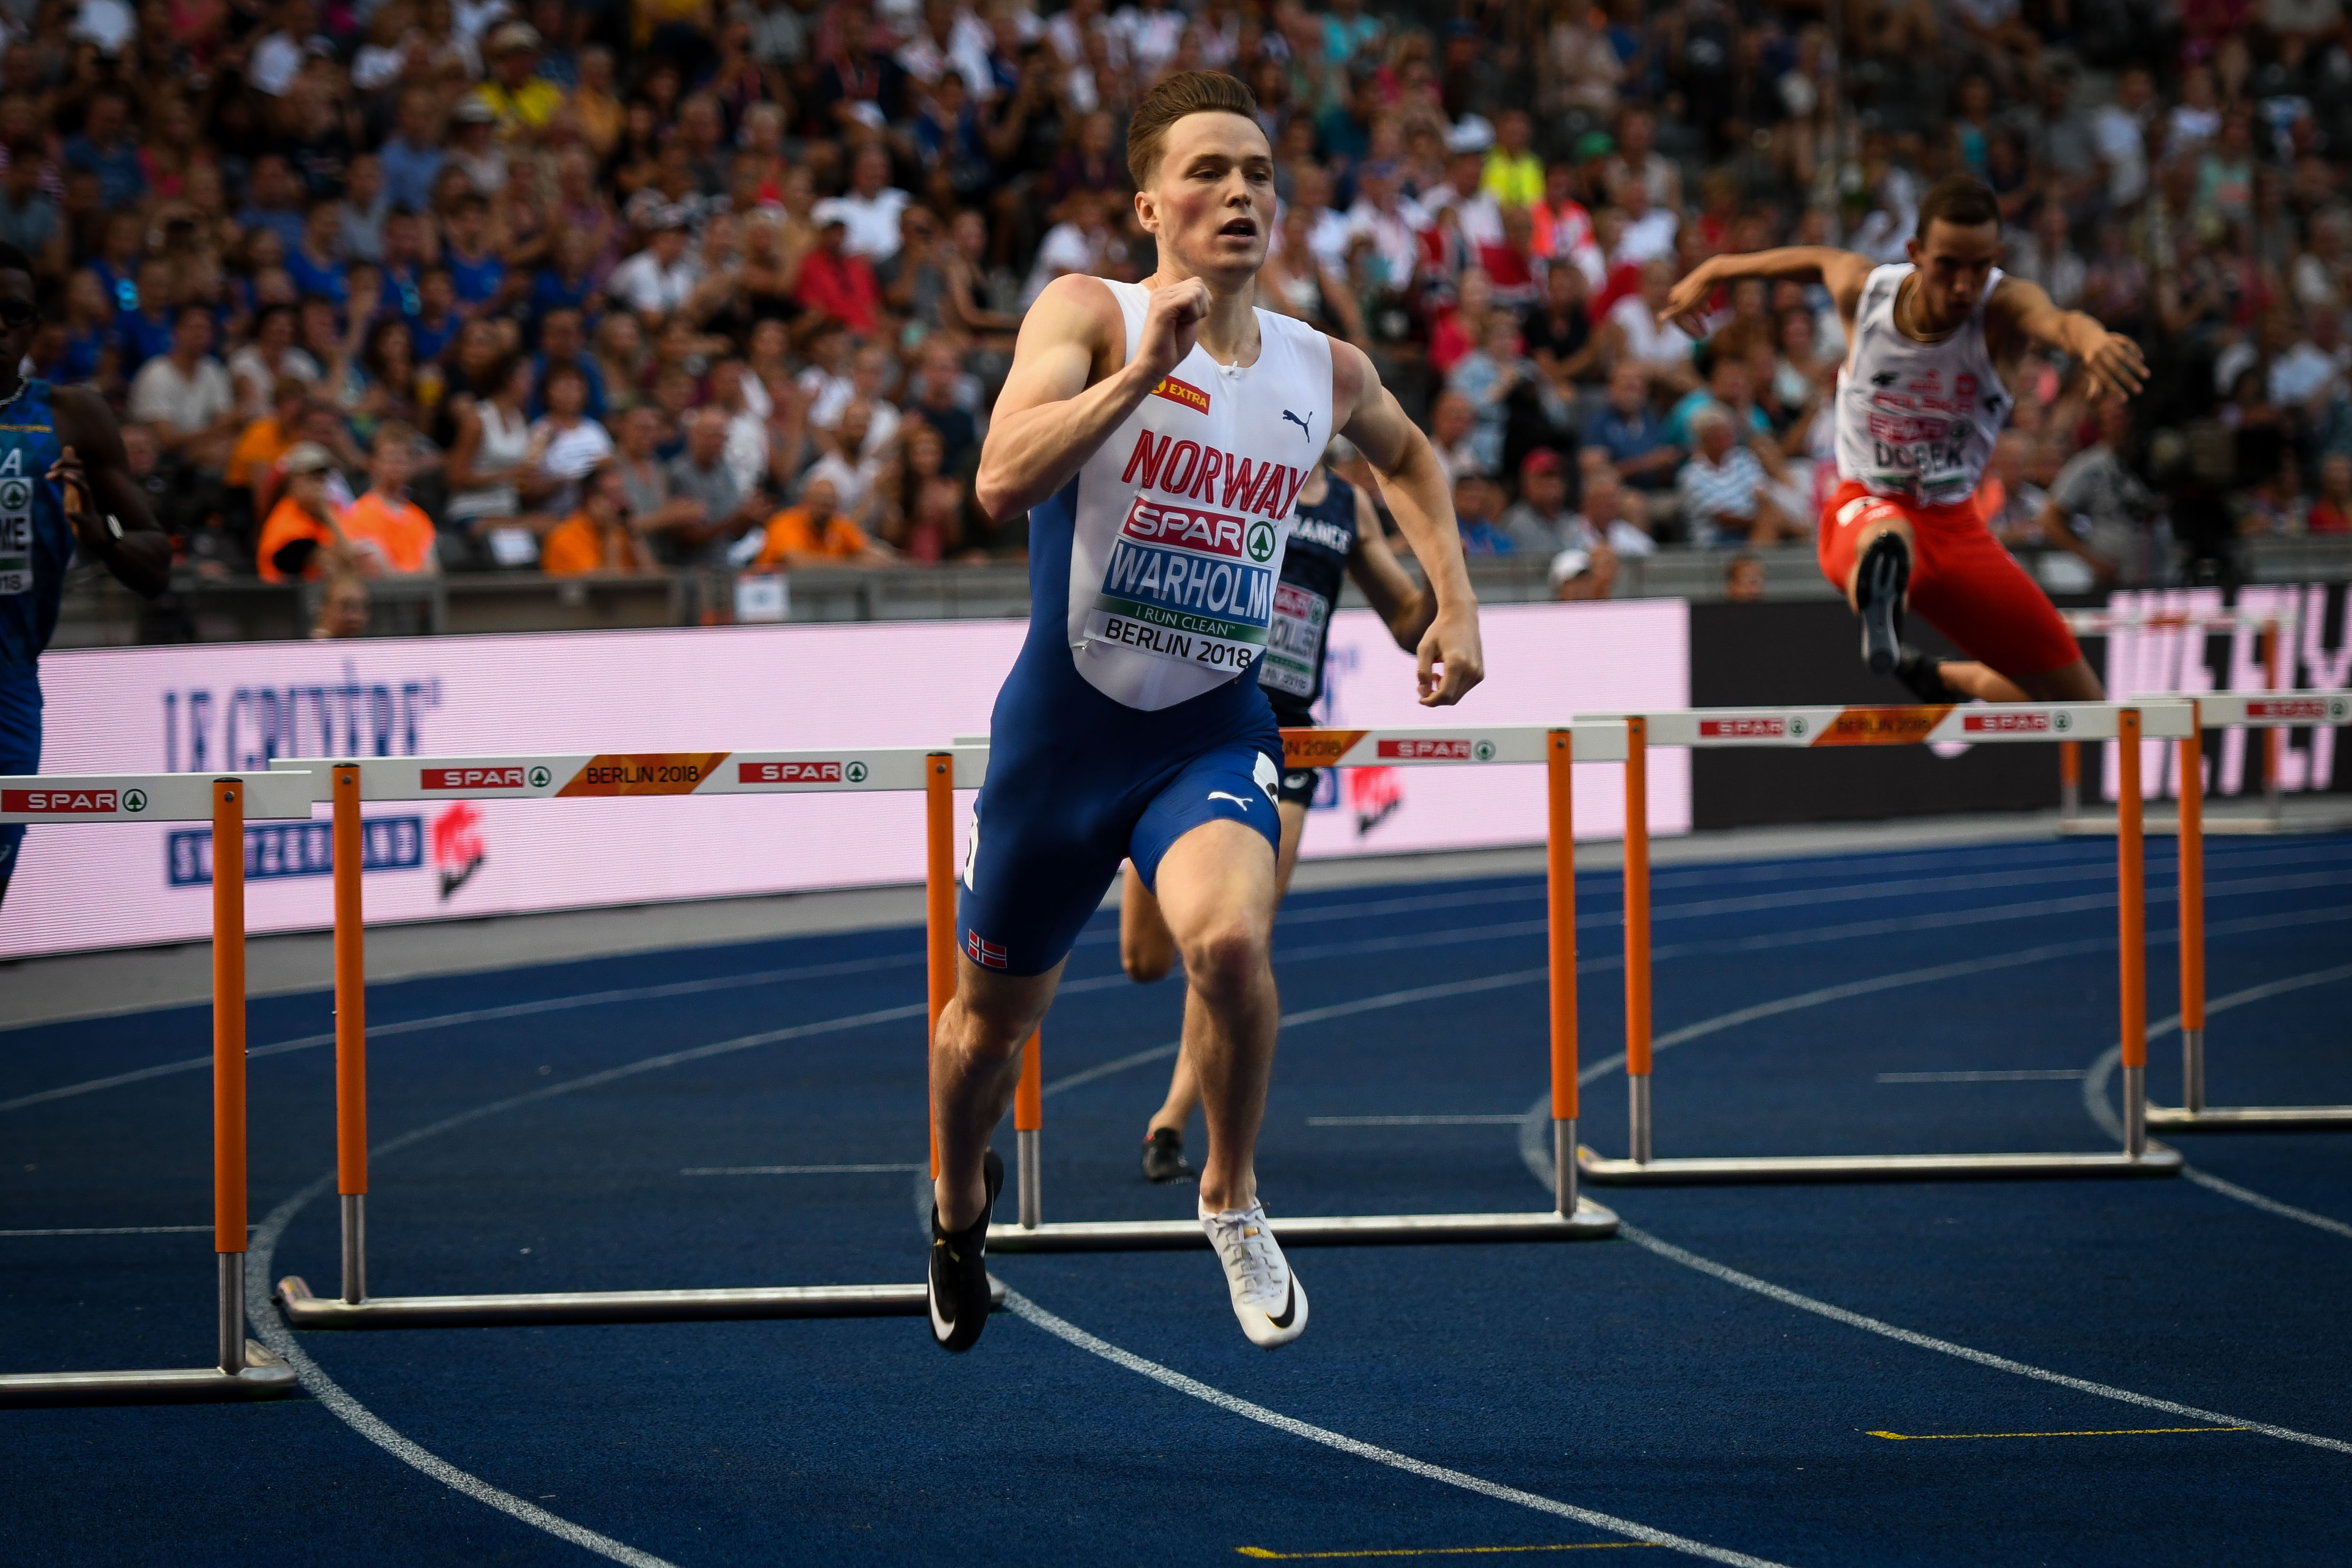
(1171,100)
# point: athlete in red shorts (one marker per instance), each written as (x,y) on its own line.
(1931,344)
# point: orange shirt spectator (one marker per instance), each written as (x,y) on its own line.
(257,450)
(398,527)
(302,514)
(597,539)
(803,532)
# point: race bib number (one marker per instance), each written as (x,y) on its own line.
(1188,584)
(1294,641)
(16,535)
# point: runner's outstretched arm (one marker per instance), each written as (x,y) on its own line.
(1048,421)
(1419,498)
(2112,360)
(105,506)
(1843,270)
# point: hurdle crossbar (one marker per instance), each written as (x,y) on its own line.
(577,775)
(1891,726)
(2273,627)
(1572,1217)
(2270,712)
(241,1370)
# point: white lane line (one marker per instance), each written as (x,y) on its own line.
(1169,1378)
(370,1425)
(1534,1153)
(1788,1297)
(796,1170)
(1509,1119)
(2003,1075)
(2094,1094)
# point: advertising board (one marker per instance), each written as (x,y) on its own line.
(215,706)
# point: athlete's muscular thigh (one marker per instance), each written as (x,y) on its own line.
(1216,889)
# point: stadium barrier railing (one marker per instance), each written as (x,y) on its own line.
(241,1370)
(2273,713)
(665,774)
(1572,1216)
(1975,724)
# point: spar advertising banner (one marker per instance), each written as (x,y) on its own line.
(210,707)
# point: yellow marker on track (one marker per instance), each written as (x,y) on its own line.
(2113,1432)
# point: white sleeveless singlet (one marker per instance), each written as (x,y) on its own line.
(1916,419)
(1180,516)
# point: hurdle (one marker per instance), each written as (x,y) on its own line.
(1572,1216)
(1893,726)
(2270,713)
(242,1370)
(350,781)
(2270,628)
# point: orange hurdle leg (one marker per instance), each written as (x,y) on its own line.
(1637,934)
(2131,888)
(2070,780)
(1028,1120)
(2192,918)
(939,910)
(350,1032)
(229,1065)
(1559,870)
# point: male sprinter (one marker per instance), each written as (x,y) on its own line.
(1333,534)
(1158,436)
(1920,399)
(53,440)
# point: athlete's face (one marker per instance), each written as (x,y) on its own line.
(1956,263)
(1211,204)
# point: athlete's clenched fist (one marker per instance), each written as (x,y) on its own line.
(1171,322)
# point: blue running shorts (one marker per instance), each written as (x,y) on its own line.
(1052,824)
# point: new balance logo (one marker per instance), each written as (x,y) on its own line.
(1295,419)
(983,952)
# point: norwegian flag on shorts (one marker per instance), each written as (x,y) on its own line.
(984,952)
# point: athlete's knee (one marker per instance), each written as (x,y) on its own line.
(1146,961)
(987,1030)
(1228,955)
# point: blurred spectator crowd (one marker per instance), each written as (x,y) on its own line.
(681,287)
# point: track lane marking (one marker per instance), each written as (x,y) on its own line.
(1263,1554)
(2094,1094)
(798,1170)
(2110,1432)
(1069,1332)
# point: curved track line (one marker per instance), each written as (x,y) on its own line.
(1063,1330)
(2095,1095)
(1534,1153)
(370,1425)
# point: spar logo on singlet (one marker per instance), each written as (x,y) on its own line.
(1191,573)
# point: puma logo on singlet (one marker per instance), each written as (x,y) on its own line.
(1221,795)
(1295,419)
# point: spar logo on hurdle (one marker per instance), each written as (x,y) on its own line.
(509,777)
(1771,729)
(828,770)
(101,802)
(2300,709)
(1996,723)
(1436,748)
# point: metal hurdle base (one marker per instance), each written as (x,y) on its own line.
(2159,1161)
(1589,1223)
(263,1376)
(305,1311)
(2253,1118)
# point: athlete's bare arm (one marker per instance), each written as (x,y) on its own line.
(1844,271)
(2020,313)
(1068,390)
(108,510)
(1420,500)
(1404,607)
